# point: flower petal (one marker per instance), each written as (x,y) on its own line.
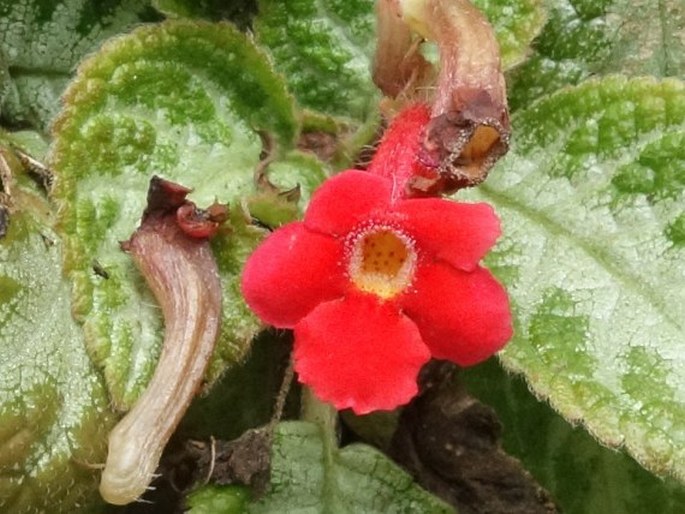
(463,317)
(359,353)
(459,233)
(345,199)
(290,273)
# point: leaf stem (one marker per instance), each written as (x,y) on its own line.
(323,414)
(326,417)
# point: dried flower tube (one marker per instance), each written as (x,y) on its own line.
(6,183)
(180,269)
(469,127)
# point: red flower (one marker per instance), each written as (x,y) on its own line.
(374,285)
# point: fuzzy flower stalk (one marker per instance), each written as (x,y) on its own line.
(375,283)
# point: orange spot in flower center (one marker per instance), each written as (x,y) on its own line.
(384,253)
(382,261)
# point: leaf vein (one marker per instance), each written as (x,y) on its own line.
(343,34)
(612,264)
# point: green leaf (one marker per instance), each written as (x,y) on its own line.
(212,499)
(591,198)
(516,24)
(41,43)
(54,414)
(582,475)
(325,47)
(308,476)
(184,100)
(589,37)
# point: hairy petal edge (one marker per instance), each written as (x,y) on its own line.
(459,233)
(292,272)
(359,353)
(463,317)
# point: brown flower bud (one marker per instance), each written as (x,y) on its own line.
(469,126)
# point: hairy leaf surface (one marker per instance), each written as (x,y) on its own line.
(592,200)
(42,42)
(54,413)
(581,474)
(583,38)
(310,476)
(185,100)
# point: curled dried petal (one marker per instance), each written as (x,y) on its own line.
(399,64)
(201,223)
(181,272)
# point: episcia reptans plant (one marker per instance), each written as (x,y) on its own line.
(254,105)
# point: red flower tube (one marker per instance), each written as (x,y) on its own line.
(374,284)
